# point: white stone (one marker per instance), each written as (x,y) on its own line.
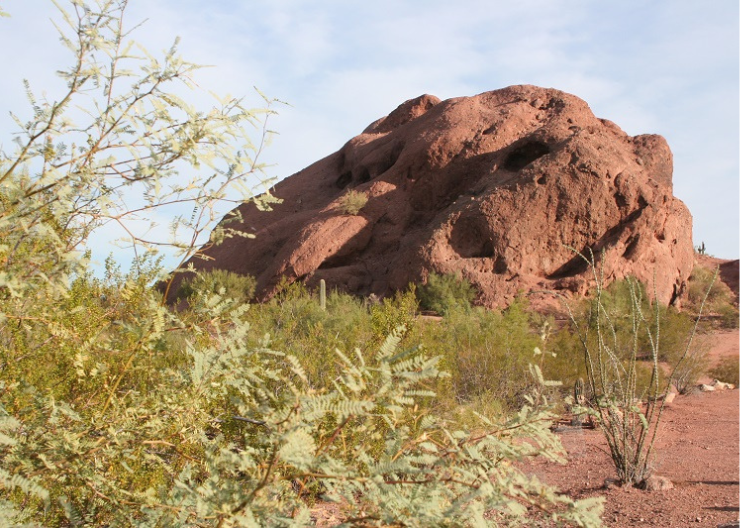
(656,483)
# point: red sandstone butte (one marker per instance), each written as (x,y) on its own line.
(497,187)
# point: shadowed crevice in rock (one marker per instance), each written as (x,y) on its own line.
(344,179)
(470,238)
(525,154)
(577,265)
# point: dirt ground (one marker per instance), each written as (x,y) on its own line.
(696,448)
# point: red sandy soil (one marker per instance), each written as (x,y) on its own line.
(696,448)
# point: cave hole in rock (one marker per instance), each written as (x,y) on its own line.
(629,252)
(575,266)
(470,239)
(621,199)
(499,266)
(490,130)
(525,154)
(338,261)
(391,158)
(344,180)
(363,175)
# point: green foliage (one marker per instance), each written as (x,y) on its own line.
(118,411)
(442,293)
(352,202)
(223,431)
(297,325)
(618,299)
(692,366)
(487,354)
(719,299)
(222,282)
(566,360)
(392,312)
(726,370)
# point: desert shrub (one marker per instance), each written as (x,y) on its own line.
(726,370)
(441,293)
(296,324)
(228,431)
(565,361)
(688,368)
(729,316)
(352,202)
(618,300)
(719,300)
(395,311)
(221,282)
(487,354)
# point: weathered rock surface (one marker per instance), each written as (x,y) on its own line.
(497,187)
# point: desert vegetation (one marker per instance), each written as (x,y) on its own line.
(117,409)
(719,306)
(626,397)
(352,202)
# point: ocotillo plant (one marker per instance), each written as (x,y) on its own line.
(630,427)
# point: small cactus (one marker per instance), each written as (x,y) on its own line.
(579,400)
(322,294)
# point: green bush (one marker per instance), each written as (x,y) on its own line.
(220,282)
(487,354)
(395,311)
(622,336)
(719,301)
(617,301)
(352,202)
(726,370)
(442,293)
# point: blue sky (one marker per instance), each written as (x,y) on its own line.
(665,67)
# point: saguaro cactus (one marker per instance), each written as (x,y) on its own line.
(322,294)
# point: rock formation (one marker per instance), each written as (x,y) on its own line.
(497,187)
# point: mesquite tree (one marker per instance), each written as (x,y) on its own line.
(116,410)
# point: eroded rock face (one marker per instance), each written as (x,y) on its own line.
(498,187)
